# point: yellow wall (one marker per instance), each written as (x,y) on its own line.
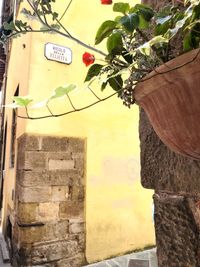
(118,209)
(18,74)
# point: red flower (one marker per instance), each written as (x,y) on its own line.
(106,2)
(88,59)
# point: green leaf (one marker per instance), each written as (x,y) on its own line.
(121,7)
(9,26)
(187,42)
(54,15)
(62,91)
(145,11)
(130,22)
(158,39)
(114,43)
(143,24)
(93,71)
(146,47)
(105,30)
(103,86)
(22,101)
(116,83)
(162,20)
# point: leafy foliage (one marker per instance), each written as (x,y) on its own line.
(138,39)
(131,47)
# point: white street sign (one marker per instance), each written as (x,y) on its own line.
(58,53)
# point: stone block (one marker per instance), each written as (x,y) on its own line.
(59,155)
(64,177)
(48,212)
(34,195)
(78,155)
(40,178)
(80,164)
(54,164)
(77,145)
(177,231)
(41,234)
(78,193)
(76,228)
(32,160)
(54,251)
(27,212)
(60,193)
(77,261)
(29,178)
(57,144)
(82,240)
(29,142)
(71,210)
(29,235)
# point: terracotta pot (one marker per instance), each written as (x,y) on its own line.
(172,102)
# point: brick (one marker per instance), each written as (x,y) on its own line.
(36,194)
(29,235)
(77,155)
(31,160)
(54,143)
(78,193)
(76,145)
(77,261)
(28,142)
(61,164)
(47,178)
(54,251)
(48,211)
(60,193)
(27,212)
(59,155)
(64,177)
(71,210)
(75,228)
(40,234)
(33,178)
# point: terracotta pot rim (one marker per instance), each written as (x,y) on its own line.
(176,64)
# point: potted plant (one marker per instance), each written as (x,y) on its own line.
(153,60)
(145,65)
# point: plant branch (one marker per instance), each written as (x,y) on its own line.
(104,99)
(70,101)
(47,105)
(65,11)
(66,35)
(93,93)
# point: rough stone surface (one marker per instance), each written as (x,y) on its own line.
(49,224)
(177,232)
(177,236)
(61,164)
(71,210)
(162,169)
(175,179)
(27,212)
(55,144)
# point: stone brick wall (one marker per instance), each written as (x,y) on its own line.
(49,221)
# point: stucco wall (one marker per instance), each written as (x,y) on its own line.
(118,209)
